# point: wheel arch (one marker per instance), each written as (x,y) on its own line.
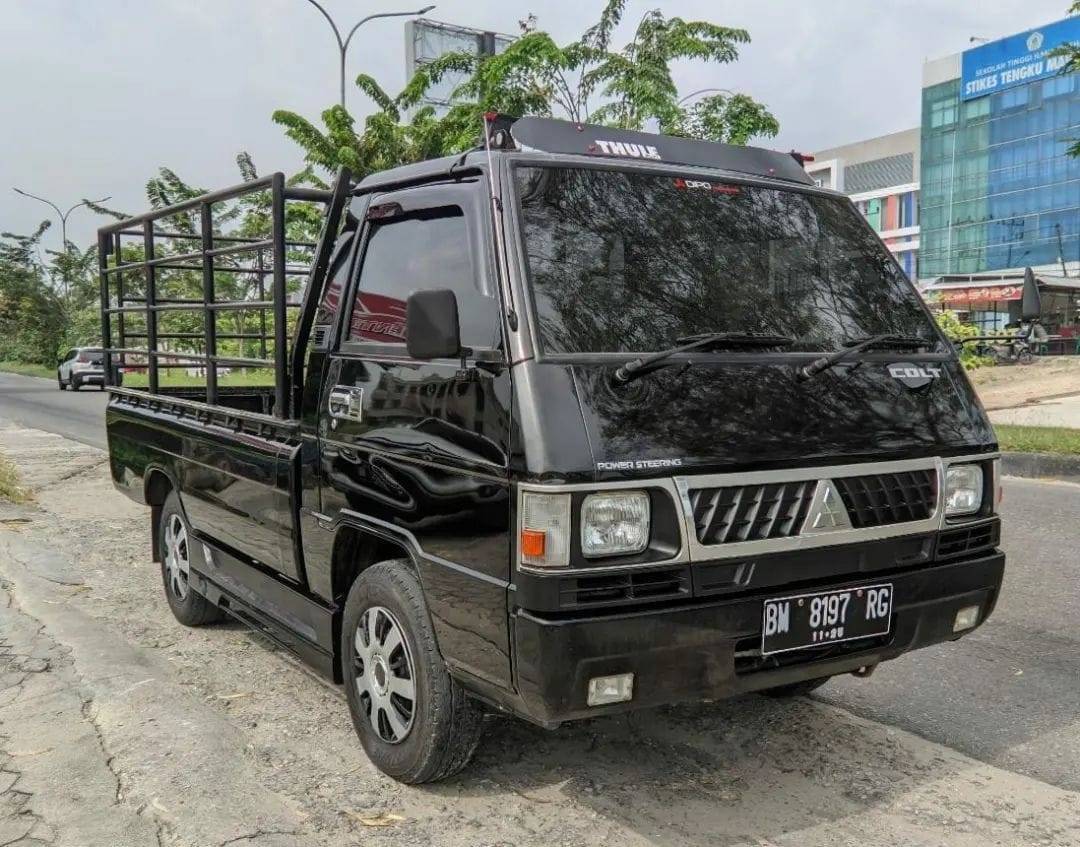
(157,485)
(357,546)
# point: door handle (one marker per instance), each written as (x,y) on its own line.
(346,403)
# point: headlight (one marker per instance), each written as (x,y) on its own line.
(963,490)
(614,523)
(545,530)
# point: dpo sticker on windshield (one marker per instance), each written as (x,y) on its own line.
(705,185)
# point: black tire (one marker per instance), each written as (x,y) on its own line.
(1025,357)
(796,689)
(444,724)
(75,384)
(188,606)
(60,382)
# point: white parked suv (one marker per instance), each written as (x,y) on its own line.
(81,366)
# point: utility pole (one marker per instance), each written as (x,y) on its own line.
(343,43)
(1061,251)
(63,225)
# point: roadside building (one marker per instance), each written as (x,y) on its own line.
(881,175)
(999,192)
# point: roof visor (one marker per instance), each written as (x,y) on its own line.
(563,137)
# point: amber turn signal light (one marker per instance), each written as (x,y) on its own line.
(532,543)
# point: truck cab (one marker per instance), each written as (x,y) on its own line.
(581,421)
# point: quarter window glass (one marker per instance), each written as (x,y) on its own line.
(418,252)
(339,268)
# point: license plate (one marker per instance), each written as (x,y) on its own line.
(829,617)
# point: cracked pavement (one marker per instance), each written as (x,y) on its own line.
(119,727)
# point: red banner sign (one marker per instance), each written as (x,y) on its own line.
(979,295)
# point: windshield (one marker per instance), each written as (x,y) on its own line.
(631,262)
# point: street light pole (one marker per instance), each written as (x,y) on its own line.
(343,43)
(62,215)
(63,221)
(704,91)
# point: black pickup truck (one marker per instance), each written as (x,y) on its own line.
(580,421)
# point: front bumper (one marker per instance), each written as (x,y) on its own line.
(707,650)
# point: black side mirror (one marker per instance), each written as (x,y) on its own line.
(432,328)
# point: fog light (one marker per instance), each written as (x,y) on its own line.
(966,618)
(610,689)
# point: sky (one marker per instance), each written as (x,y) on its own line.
(98,95)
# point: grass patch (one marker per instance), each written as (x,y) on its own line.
(27,369)
(11,488)
(170,378)
(1038,439)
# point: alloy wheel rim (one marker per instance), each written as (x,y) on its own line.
(177,564)
(383,670)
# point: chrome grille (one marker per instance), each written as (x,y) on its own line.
(888,498)
(750,512)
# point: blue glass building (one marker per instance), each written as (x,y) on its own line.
(999,192)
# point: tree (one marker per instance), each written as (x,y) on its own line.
(1072,66)
(385,141)
(31,315)
(585,80)
(237,277)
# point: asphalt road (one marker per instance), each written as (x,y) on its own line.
(1007,694)
(38,403)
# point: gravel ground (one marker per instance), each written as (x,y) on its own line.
(119,726)
(1009,386)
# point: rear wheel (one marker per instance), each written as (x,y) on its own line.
(75,384)
(415,722)
(60,381)
(188,606)
(796,689)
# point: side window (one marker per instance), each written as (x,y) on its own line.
(417,252)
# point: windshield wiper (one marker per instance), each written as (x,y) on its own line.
(643,364)
(854,346)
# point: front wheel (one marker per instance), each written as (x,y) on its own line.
(415,722)
(1025,356)
(188,606)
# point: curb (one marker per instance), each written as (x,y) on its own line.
(1041,466)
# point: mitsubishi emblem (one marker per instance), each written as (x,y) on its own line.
(826,512)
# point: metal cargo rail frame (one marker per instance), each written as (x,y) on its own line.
(211,246)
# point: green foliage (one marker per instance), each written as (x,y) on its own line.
(31,315)
(48,306)
(957,331)
(585,80)
(1072,66)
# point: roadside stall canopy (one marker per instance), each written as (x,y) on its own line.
(960,290)
(994,300)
